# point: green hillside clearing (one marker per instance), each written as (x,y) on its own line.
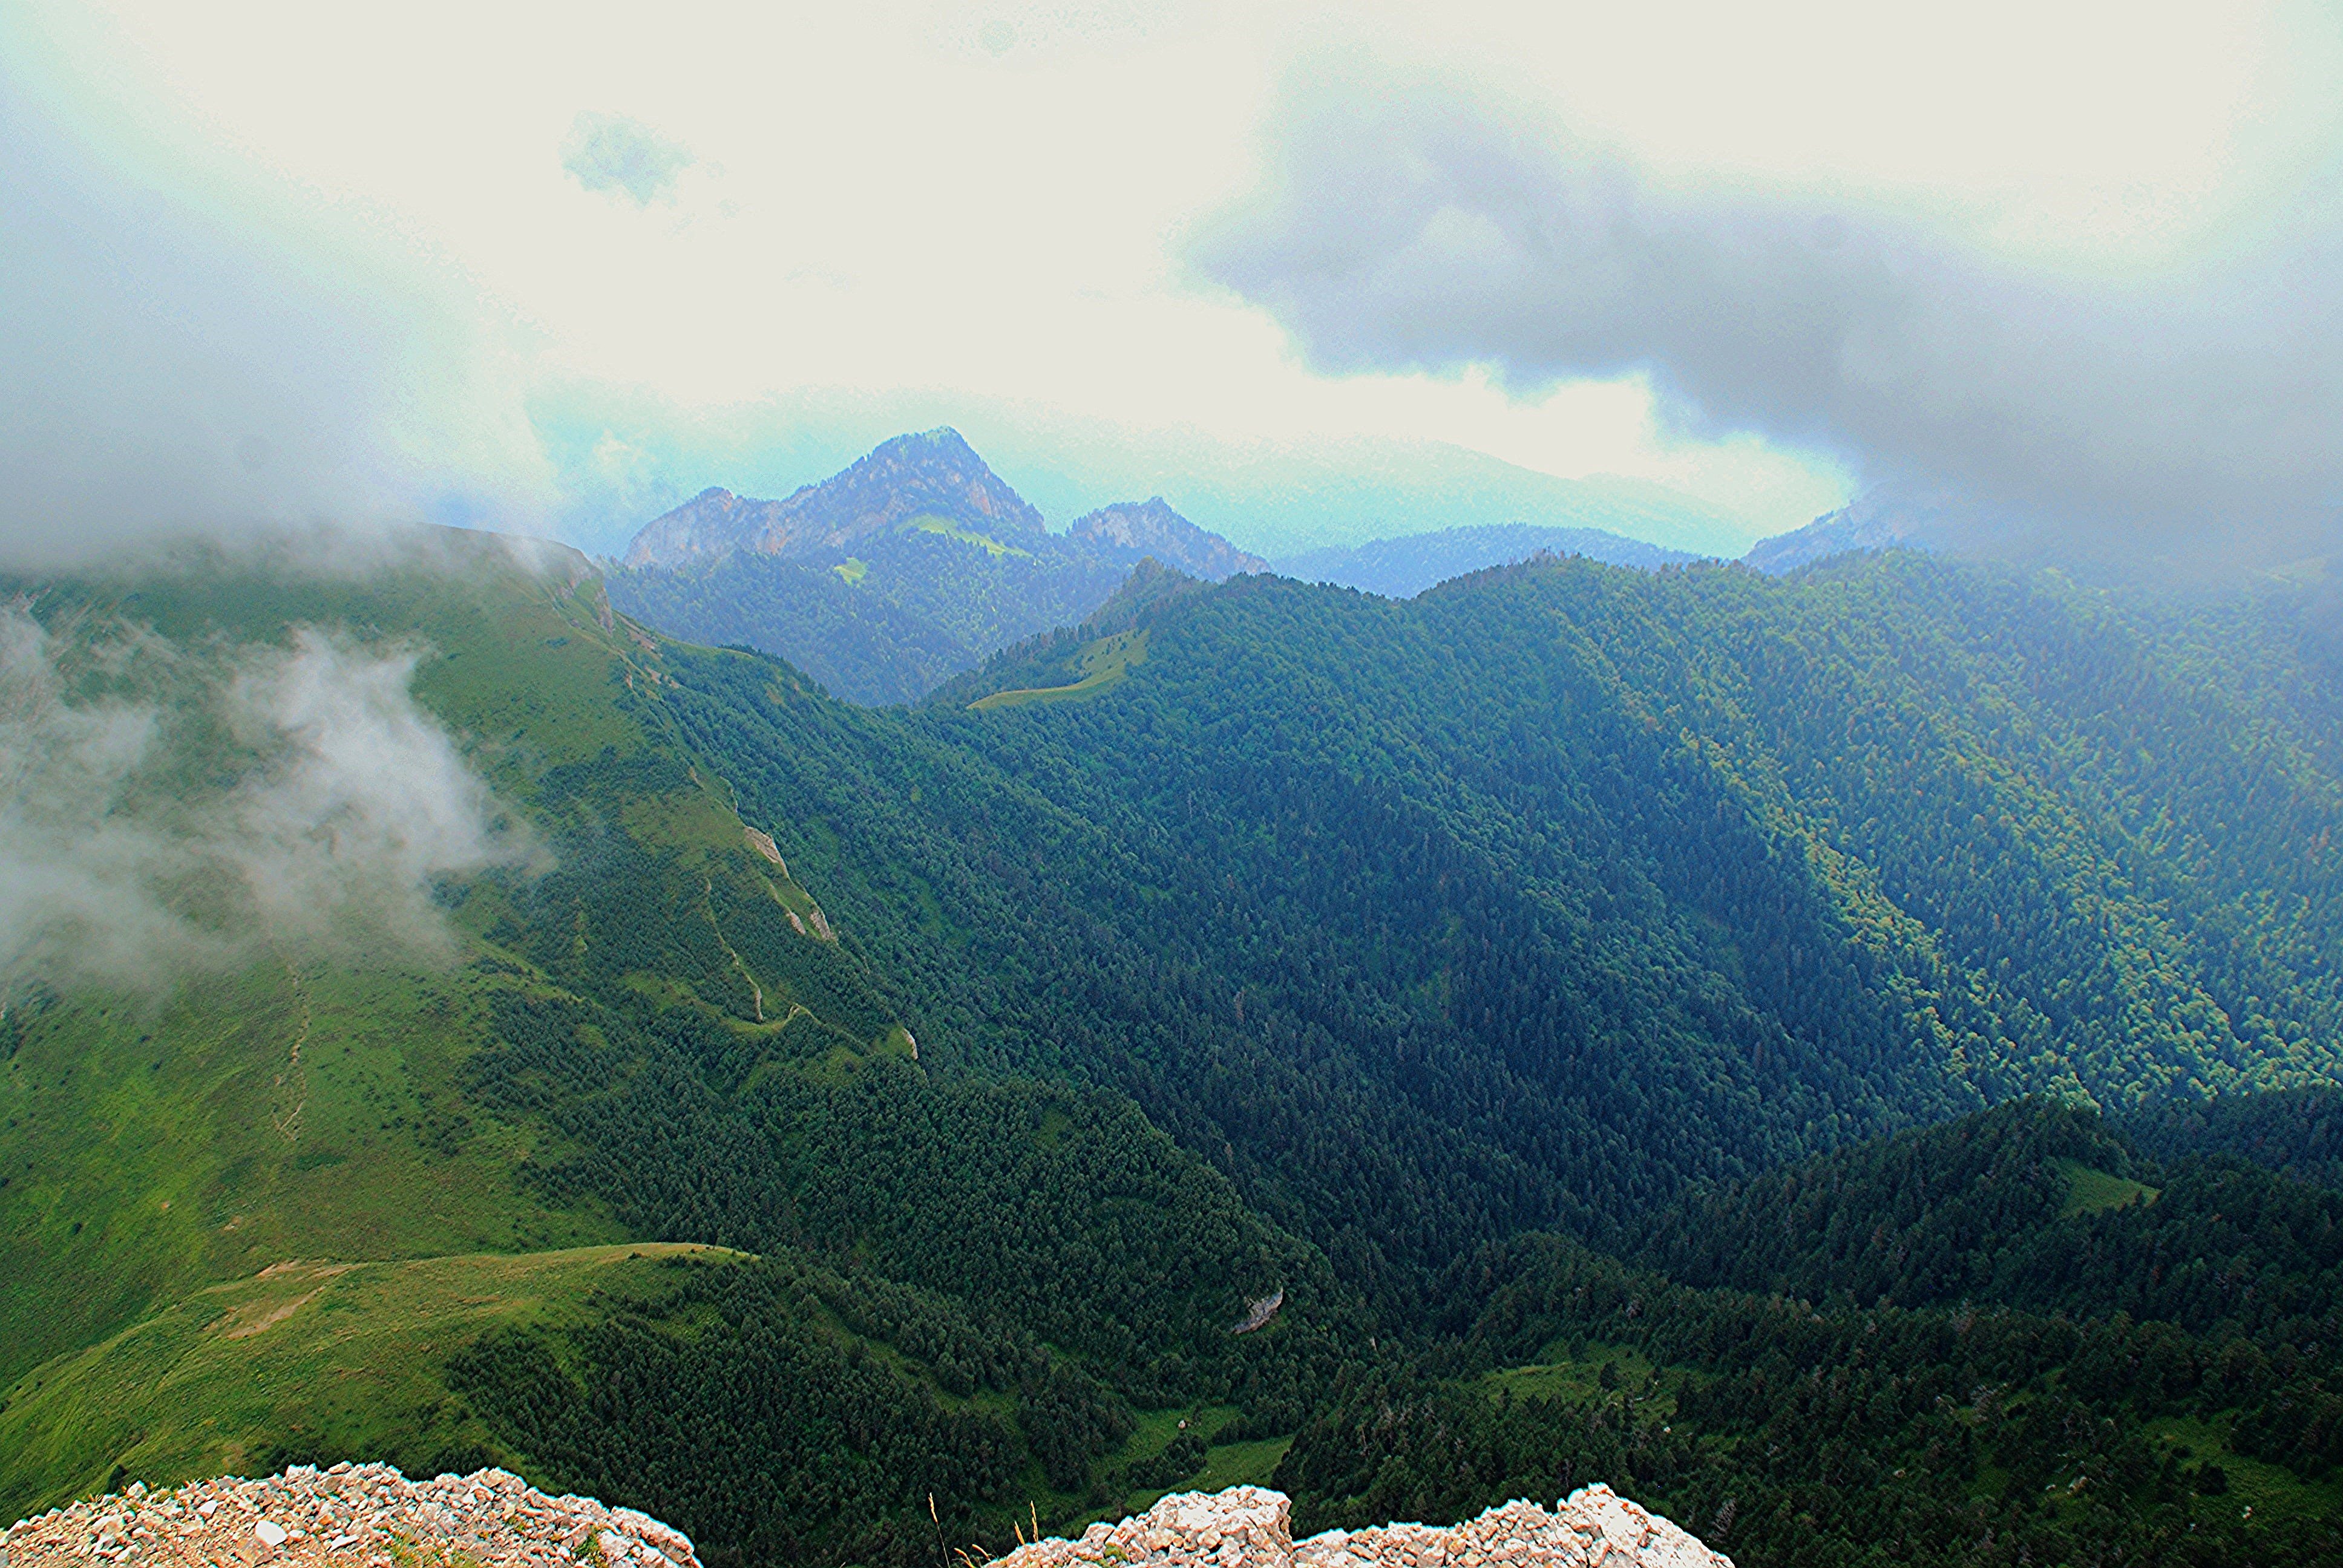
(2089,1191)
(301,1360)
(932,524)
(1103,664)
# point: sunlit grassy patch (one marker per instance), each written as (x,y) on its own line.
(932,524)
(301,1360)
(2088,1190)
(1105,663)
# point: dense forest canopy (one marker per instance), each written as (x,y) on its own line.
(1844,1058)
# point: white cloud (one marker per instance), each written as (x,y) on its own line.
(610,152)
(993,202)
(184,349)
(164,809)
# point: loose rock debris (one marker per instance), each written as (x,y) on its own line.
(1247,1527)
(350,1516)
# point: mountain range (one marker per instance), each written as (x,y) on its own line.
(1847,1058)
(622,457)
(1404,567)
(917,562)
(907,567)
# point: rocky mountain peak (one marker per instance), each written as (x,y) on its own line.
(1131,529)
(930,473)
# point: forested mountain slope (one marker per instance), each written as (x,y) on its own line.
(1957,1345)
(1527,902)
(312,1182)
(1247,939)
(2296,1132)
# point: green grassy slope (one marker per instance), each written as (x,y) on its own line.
(159,1141)
(1100,664)
(651,1031)
(156,1146)
(299,1360)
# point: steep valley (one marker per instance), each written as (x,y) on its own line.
(798,1110)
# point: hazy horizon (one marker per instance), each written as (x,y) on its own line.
(2080,269)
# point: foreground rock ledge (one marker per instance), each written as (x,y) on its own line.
(1247,1527)
(351,1516)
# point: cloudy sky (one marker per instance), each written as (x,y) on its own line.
(2078,261)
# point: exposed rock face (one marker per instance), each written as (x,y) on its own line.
(353,1514)
(932,474)
(1131,529)
(1247,1527)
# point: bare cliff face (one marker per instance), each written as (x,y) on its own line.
(1247,1527)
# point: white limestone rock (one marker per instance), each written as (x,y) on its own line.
(1249,1527)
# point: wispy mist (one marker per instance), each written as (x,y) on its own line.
(166,810)
(1424,230)
(605,152)
(172,361)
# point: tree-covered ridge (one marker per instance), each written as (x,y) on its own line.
(1918,1347)
(1909,1221)
(2297,1132)
(2108,856)
(1530,900)
(884,621)
(2015,1207)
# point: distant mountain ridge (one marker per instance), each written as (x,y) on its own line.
(930,473)
(1404,567)
(1876,520)
(1150,527)
(906,568)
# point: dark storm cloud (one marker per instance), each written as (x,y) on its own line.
(1421,231)
(612,152)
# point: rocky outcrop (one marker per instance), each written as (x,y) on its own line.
(371,1516)
(1247,1527)
(350,1516)
(1129,530)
